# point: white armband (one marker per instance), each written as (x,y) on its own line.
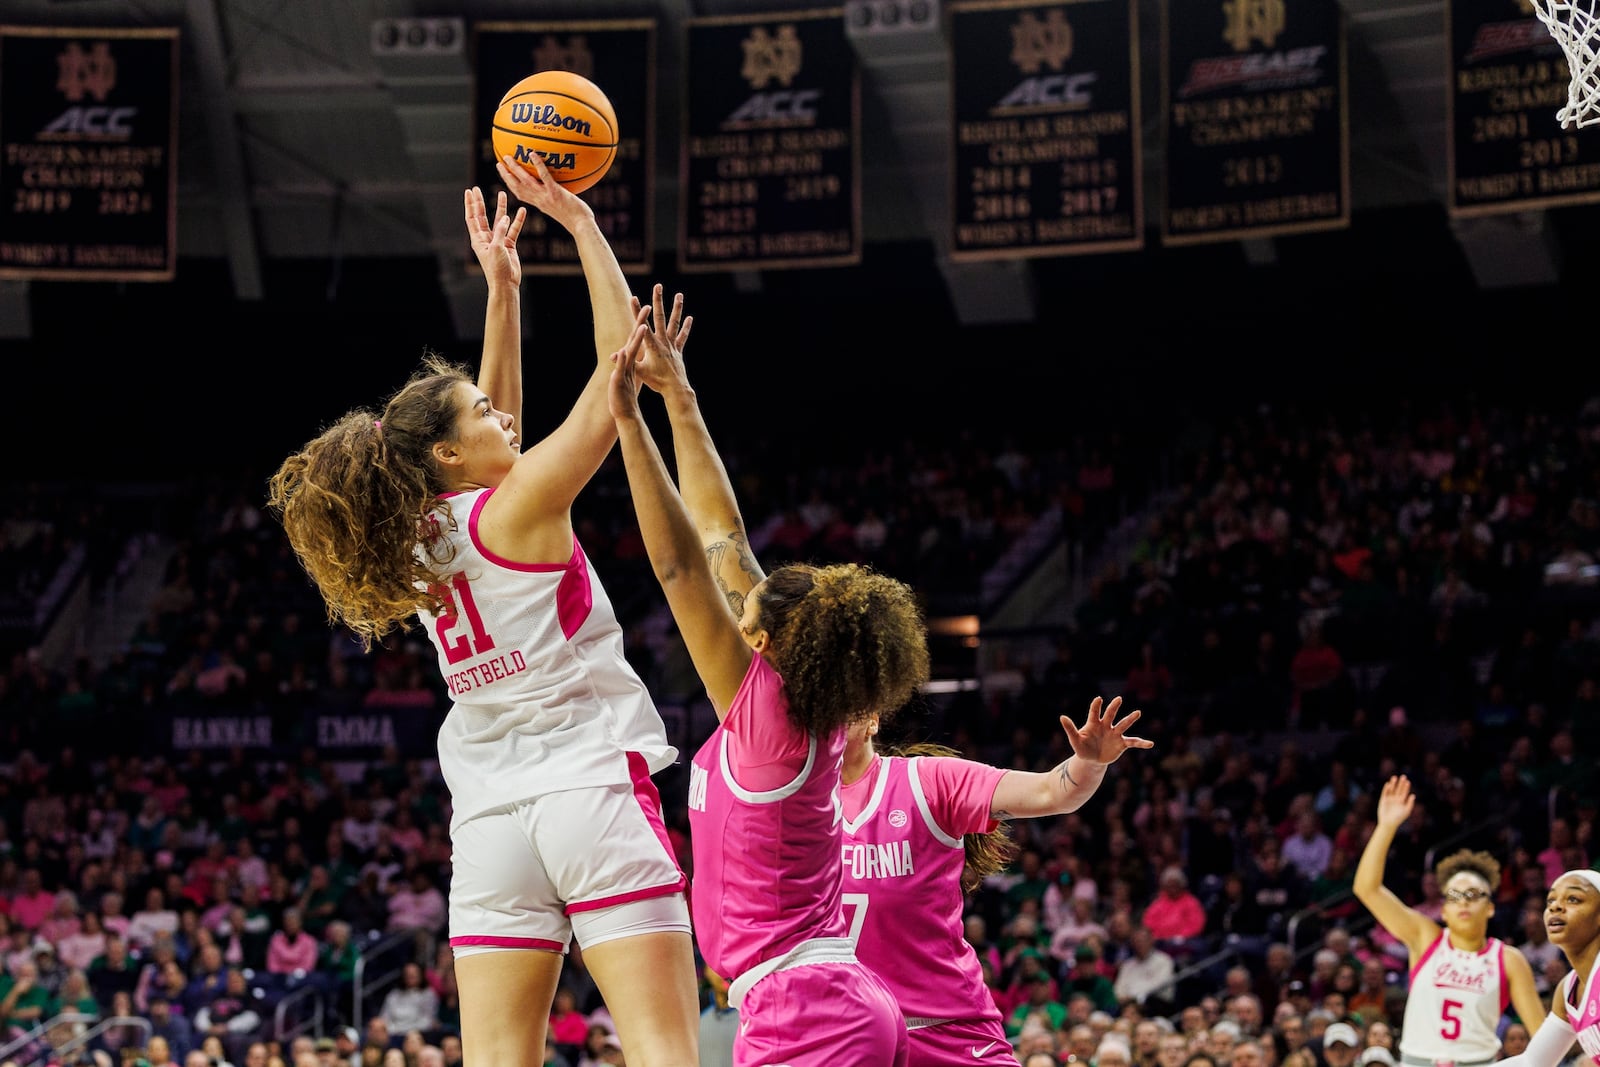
(1548,1047)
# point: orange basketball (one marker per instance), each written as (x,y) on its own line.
(563,117)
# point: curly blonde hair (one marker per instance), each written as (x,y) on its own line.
(847,641)
(1481,864)
(355,499)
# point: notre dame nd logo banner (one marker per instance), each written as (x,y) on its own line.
(88,178)
(771,147)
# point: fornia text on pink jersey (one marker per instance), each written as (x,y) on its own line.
(892,859)
(490,670)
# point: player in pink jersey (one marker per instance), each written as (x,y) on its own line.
(1461,978)
(1572,919)
(920,834)
(804,652)
(430,513)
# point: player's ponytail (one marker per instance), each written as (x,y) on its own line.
(353,500)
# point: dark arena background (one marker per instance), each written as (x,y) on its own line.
(1320,499)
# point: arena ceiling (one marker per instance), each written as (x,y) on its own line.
(298,141)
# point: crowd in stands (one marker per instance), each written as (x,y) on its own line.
(1319,604)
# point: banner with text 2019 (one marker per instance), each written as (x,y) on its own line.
(88,147)
(771,154)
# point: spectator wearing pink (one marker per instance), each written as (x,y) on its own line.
(1175,913)
(291,949)
(31,905)
(154,920)
(111,916)
(1554,858)
(64,920)
(77,951)
(419,905)
(250,869)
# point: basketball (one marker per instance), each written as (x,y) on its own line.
(566,119)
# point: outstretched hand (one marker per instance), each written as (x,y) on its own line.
(495,245)
(661,355)
(1103,738)
(1395,802)
(622,396)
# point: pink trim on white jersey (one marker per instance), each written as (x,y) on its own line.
(1584,1018)
(532,656)
(1455,1002)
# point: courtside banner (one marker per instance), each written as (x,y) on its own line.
(620,57)
(1508,78)
(1256,119)
(1045,103)
(771,152)
(88,153)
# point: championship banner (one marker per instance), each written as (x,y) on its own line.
(771,156)
(1508,78)
(1256,119)
(1045,101)
(88,153)
(620,57)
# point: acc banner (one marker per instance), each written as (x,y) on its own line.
(771,155)
(88,153)
(1257,123)
(620,57)
(1045,102)
(1508,79)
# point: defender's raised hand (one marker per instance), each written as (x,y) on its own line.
(1103,737)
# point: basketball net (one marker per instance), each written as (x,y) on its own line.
(1575,24)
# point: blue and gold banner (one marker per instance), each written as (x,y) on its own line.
(1256,119)
(619,56)
(1508,78)
(1045,102)
(771,153)
(88,153)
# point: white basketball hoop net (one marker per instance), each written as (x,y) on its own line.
(1575,24)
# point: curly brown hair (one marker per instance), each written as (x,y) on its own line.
(987,853)
(354,500)
(847,641)
(1481,864)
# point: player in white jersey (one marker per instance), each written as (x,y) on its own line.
(1572,918)
(429,511)
(1461,979)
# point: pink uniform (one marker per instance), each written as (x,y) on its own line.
(764,823)
(1454,1005)
(903,856)
(1584,1018)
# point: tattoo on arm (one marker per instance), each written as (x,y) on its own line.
(717,554)
(1066,775)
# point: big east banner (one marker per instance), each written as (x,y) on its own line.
(771,156)
(88,133)
(1256,119)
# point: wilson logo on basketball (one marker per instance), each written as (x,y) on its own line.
(546,115)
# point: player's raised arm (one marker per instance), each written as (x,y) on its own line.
(495,245)
(702,478)
(550,475)
(1410,927)
(711,635)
